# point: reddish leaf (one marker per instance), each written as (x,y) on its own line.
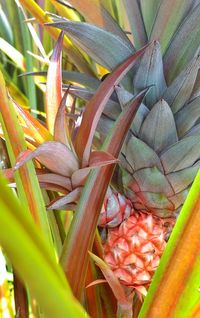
(49,154)
(97,159)
(56,180)
(96,105)
(113,281)
(61,202)
(82,230)
(54,84)
(101,158)
(60,128)
(34,128)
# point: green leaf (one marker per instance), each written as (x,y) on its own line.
(184,45)
(150,72)
(174,291)
(95,13)
(134,14)
(27,184)
(31,251)
(169,16)
(149,10)
(105,48)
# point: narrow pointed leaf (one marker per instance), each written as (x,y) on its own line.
(149,11)
(184,45)
(48,154)
(61,132)
(112,280)
(87,214)
(54,84)
(26,180)
(150,72)
(47,283)
(55,179)
(61,202)
(169,16)
(97,159)
(96,106)
(178,93)
(95,13)
(105,48)
(136,22)
(159,128)
(74,77)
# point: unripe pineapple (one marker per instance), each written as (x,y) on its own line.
(116,208)
(133,249)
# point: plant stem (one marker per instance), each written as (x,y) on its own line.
(20,296)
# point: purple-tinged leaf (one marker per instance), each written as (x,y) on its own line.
(111,279)
(61,132)
(54,155)
(95,13)
(54,84)
(105,48)
(74,258)
(97,159)
(96,106)
(61,202)
(55,179)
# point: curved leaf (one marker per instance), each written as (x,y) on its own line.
(105,48)
(184,45)
(188,150)
(87,214)
(54,84)
(168,18)
(96,106)
(150,72)
(159,129)
(48,154)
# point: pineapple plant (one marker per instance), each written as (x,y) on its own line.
(160,156)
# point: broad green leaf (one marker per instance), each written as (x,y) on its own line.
(174,291)
(159,129)
(47,283)
(134,14)
(150,72)
(74,258)
(149,10)
(184,45)
(95,13)
(105,48)
(168,18)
